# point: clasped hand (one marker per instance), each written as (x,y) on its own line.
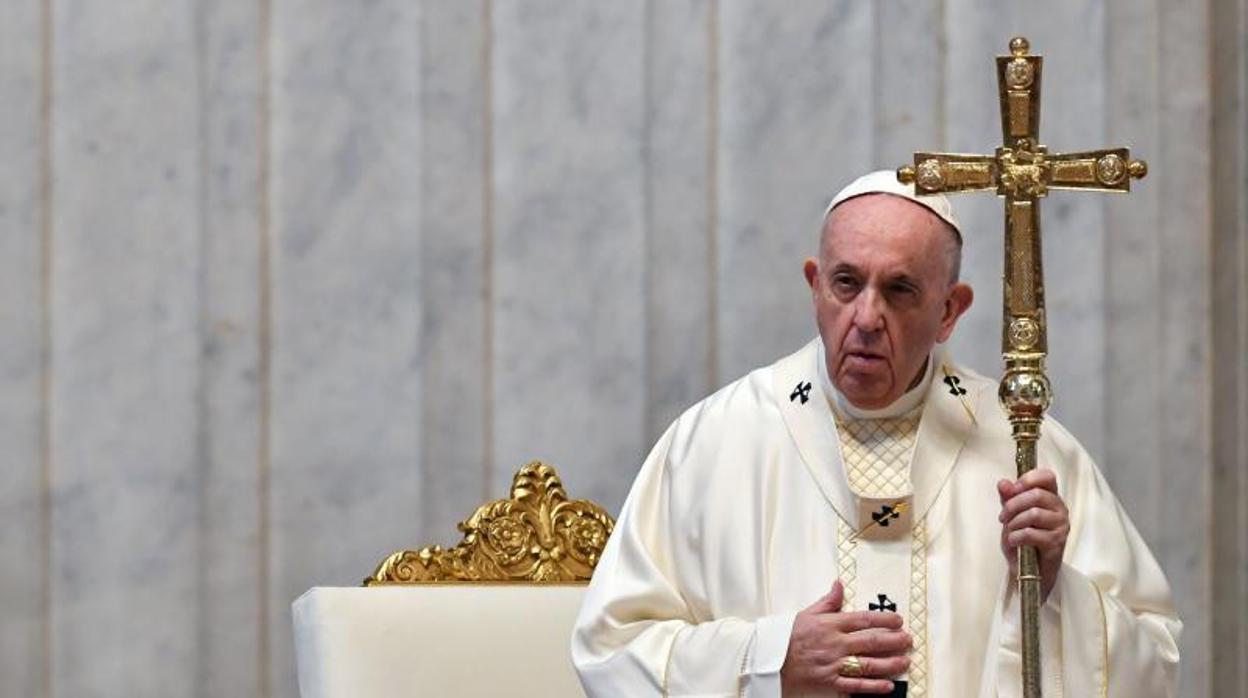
(823,637)
(1032,513)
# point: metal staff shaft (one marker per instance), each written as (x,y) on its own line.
(1025,392)
(1029,589)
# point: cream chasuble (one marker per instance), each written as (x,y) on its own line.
(746,511)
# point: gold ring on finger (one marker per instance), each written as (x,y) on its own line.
(852,667)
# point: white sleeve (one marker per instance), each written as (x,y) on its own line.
(636,636)
(1109,627)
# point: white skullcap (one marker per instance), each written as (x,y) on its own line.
(885,182)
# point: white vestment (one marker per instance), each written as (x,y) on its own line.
(734,522)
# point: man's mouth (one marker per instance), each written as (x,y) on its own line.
(863,358)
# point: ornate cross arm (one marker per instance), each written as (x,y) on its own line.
(949,173)
(1097,170)
(1024,172)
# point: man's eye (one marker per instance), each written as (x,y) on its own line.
(844,282)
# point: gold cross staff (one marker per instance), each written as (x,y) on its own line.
(1022,172)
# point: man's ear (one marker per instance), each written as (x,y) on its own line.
(956,303)
(811,269)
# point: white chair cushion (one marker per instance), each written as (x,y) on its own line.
(436,640)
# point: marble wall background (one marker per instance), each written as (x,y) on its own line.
(285,286)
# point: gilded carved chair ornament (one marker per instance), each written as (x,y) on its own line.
(537,536)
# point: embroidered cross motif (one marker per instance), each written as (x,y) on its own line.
(886,513)
(955,385)
(802,390)
(885,604)
(881,518)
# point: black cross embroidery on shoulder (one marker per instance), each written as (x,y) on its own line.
(802,390)
(886,513)
(885,604)
(955,385)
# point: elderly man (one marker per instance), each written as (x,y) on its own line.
(827,525)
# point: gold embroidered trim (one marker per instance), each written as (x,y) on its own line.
(741,675)
(961,395)
(667,666)
(847,561)
(745,659)
(1100,596)
(918,610)
(898,507)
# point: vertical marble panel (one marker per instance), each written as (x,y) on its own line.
(974,32)
(569,332)
(1184,226)
(22,317)
(125,341)
(1133,462)
(1236,675)
(909,101)
(346,298)
(795,124)
(230,567)
(679,183)
(454,273)
(1229,525)
(1071,37)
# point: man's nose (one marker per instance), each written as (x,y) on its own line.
(869,312)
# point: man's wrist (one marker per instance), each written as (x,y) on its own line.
(771,643)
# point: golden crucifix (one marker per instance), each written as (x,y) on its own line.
(1022,172)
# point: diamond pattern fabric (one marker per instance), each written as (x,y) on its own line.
(847,563)
(877,453)
(918,611)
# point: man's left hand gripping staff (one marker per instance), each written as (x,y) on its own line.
(1033,513)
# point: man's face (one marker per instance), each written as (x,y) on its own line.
(883,295)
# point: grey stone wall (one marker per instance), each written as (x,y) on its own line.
(285,286)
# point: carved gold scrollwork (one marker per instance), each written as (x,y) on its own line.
(537,535)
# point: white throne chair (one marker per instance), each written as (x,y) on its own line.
(491,616)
